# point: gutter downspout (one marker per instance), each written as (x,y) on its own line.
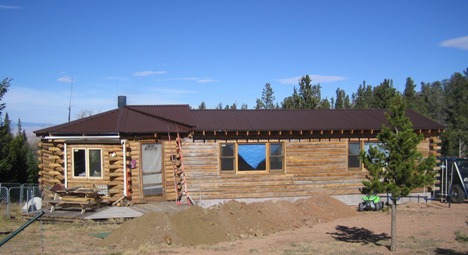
(66,164)
(124,151)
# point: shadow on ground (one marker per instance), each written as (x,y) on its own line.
(358,235)
(448,251)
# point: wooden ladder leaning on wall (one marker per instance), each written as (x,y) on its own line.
(180,181)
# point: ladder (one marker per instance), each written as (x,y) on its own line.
(180,181)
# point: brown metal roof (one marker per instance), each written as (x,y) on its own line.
(161,118)
(296,120)
(127,120)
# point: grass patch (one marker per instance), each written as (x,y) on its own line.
(460,237)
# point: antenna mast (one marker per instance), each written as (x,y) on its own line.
(69,104)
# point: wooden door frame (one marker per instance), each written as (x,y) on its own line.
(163,174)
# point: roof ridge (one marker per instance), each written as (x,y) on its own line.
(160,117)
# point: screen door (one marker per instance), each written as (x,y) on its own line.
(152,168)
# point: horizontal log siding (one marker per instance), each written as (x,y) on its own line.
(311,167)
(308,158)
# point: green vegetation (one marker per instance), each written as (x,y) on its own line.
(460,237)
(397,167)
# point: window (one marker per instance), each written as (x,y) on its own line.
(377,145)
(251,157)
(354,148)
(227,157)
(87,163)
(276,156)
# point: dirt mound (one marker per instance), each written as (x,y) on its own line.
(226,222)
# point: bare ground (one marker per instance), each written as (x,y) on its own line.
(319,225)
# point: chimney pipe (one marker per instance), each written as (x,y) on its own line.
(121,101)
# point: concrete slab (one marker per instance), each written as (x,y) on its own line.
(114,212)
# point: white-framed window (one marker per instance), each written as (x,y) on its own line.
(87,162)
(251,157)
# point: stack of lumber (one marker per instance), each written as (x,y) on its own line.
(78,196)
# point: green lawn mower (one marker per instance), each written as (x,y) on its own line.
(370,203)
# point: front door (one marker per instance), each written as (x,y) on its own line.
(151,163)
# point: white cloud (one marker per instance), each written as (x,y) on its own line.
(315,79)
(458,43)
(147,73)
(11,7)
(206,80)
(195,79)
(66,79)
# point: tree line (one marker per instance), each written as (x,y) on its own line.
(444,101)
(18,158)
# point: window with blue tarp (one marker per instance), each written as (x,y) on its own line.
(251,157)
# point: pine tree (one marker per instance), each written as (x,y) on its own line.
(5,142)
(18,151)
(363,97)
(400,167)
(409,94)
(310,95)
(268,99)
(383,94)
(202,106)
(4,85)
(456,113)
(340,97)
(325,104)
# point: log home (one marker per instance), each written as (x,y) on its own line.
(227,154)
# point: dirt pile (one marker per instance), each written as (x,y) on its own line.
(226,222)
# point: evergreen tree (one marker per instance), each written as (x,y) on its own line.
(383,94)
(4,85)
(268,99)
(431,101)
(244,106)
(5,142)
(233,106)
(202,106)
(310,95)
(219,106)
(409,94)
(363,97)
(347,102)
(400,167)
(339,103)
(456,110)
(325,104)
(259,104)
(17,156)
(293,101)
(32,162)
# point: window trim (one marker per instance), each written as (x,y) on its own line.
(87,163)
(356,155)
(268,157)
(233,158)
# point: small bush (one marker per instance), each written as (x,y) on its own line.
(460,237)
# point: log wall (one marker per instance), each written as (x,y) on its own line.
(52,157)
(310,167)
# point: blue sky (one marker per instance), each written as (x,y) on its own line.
(186,52)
